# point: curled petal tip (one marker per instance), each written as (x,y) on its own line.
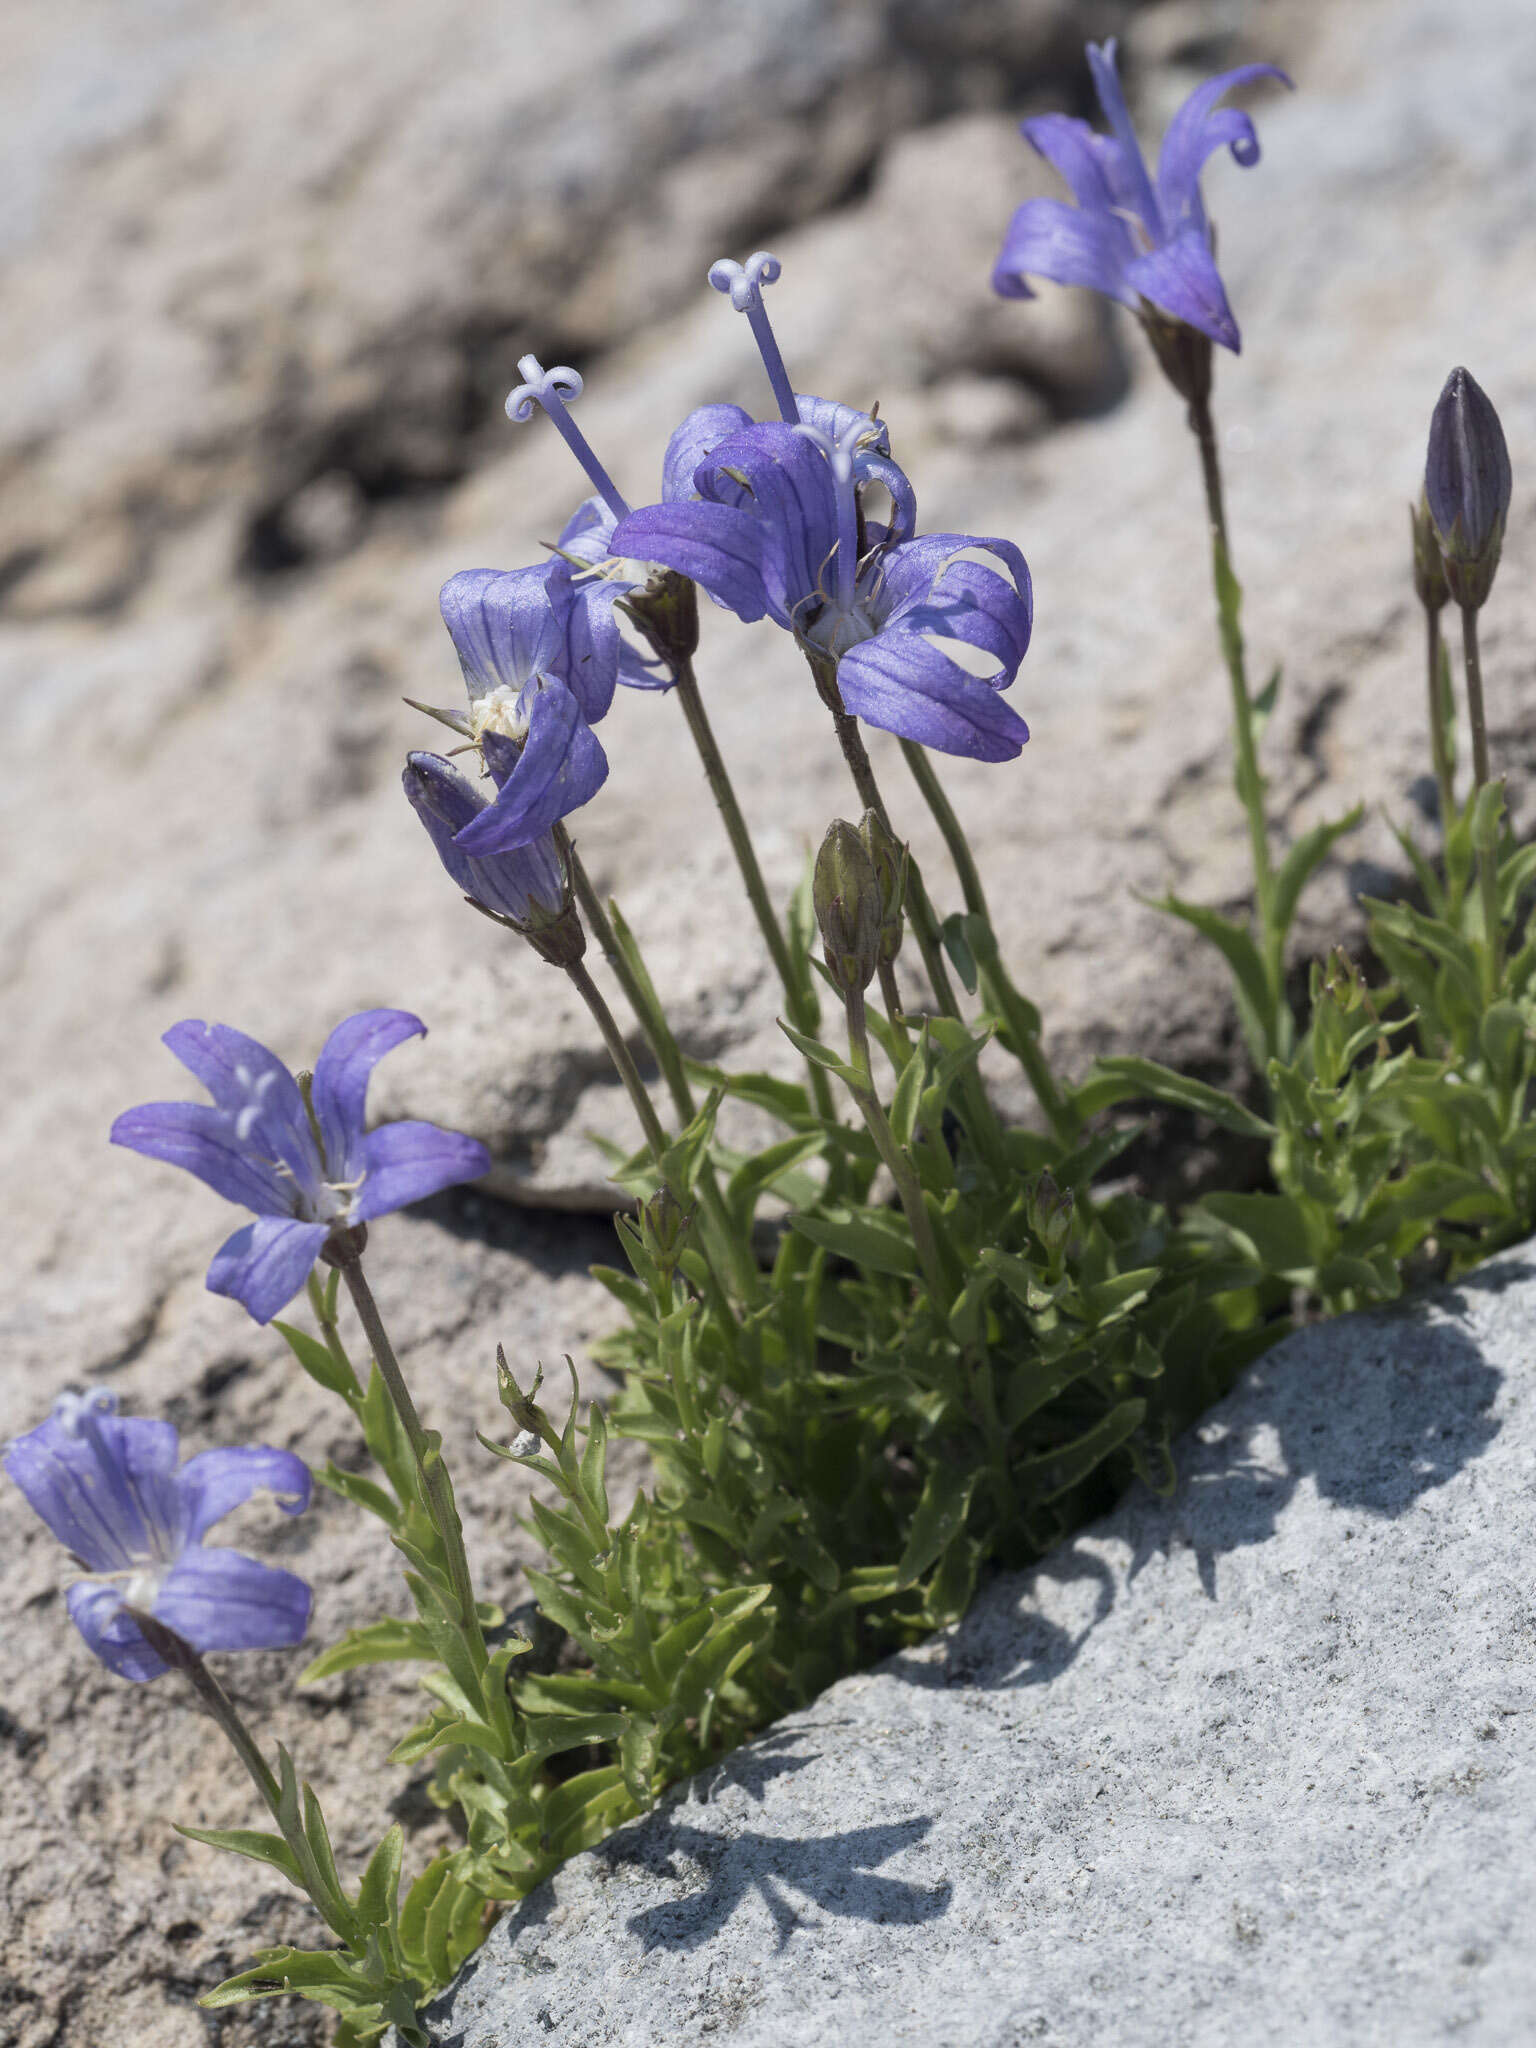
(561,384)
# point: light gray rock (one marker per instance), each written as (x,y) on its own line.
(1254,1763)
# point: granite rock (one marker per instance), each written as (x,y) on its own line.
(1254,1762)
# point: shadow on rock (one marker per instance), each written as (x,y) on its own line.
(837,1873)
(1374,1412)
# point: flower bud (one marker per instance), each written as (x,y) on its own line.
(849,908)
(1467,484)
(888,857)
(1050,1209)
(1428,569)
(666,609)
(663,1226)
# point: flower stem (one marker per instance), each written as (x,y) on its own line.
(1439,713)
(900,1165)
(1250,782)
(998,985)
(798,996)
(1487,847)
(436,1487)
(646,1010)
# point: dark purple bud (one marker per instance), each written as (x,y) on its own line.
(1467,482)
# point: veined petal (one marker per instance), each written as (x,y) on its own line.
(252,1086)
(214,1482)
(588,531)
(1196,132)
(562,766)
(201,1139)
(223,1600)
(1082,157)
(264,1266)
(1067,244)
(794,501)
(406,1162)
(107,1489)
(501,626)
(928,586)
(97,1611)
(720,546)
(1126,168)
(902,683)
(831,417)
(1182,279)
(587,660)
(505,882)
(703,430)
(891,477)
(340,1089)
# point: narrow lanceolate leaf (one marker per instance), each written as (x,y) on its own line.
(382,1642)
(1130,1080)
(1054,1472)
(939,1518)
(864,1237)
(261,1848)
(1304,860)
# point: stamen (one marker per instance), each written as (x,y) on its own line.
(744,282)
(551,389)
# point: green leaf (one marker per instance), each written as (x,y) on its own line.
(334,1374)
(363,1493)
(1056,1472)
(1271,1229)
(1125,1080)
(786,1100)
(882,1245)
(639,1750)
(938,1519)
(381,1642)
(261,1848)
(1303,861)
(824,1056)
(957,946)
(764,1170)
(1255,1000)
(381,1880)
(681,1161)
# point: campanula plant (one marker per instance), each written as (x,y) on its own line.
(897,1340)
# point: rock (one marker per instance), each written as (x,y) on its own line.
(1258,1761)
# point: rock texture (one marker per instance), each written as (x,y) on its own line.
(1257,1762)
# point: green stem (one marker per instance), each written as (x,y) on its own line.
(901,1168)
(748,1276)
(658,1037)
(998,985)
(1439,713)
(1487,853)
(799,998)
(1250,782)
(432,1473)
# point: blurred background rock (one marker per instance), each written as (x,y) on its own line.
(268,272)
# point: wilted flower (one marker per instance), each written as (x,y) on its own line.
(779,527)
(1467,483)
(1130,236)
(307,1169)
(111,1489)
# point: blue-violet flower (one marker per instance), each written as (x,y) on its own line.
(304,1176)
(778,527)
(111,1489)
(1468,483)
(1130,236)
(527,884)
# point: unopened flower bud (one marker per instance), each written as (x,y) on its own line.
(664,1224)
(666,609)
(519,1406)
(1467,485)
(888,857)
(846,893)
(1050,1210)
(1428,569)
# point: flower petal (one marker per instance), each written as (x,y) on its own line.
(214,1482)
(588,531)
(223,1600)
(1085,159)
(831,417)
(793,497)
(720,546)
(97,1611)
(903,684)
(703,430)
(587,660)
(930,587)
(253,1086)
(340,1088)
(264,1266)
(1183,280)
(107,1490)
(201,1139)
(406,1162)
(501,626)
(561,766)
(1067,244)
(1125,167)
(1196,132)
(508,883)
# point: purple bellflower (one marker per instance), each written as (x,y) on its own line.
(1131,236)
(778,527)
(306,1170)
(526,885)
(111,1489)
